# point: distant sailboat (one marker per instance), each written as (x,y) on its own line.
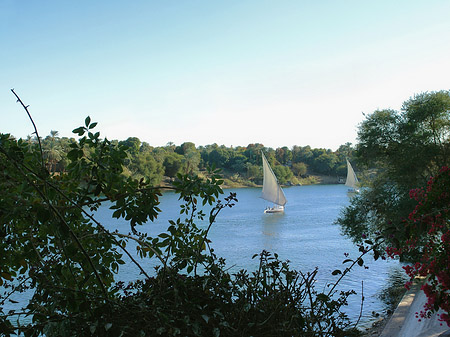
(271,189)
(352,180)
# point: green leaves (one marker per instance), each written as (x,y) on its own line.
(400,150)
(71,259)
(79,131)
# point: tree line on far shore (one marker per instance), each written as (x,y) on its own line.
(241,165)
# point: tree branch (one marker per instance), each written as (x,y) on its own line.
(34,126)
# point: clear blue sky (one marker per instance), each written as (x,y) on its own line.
(280,73)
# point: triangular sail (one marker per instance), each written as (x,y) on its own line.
(352,180)
(271,190)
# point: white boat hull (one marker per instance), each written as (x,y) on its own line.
(279,209)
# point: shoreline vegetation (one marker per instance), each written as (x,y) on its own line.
(310,180)
(232,182)
(239,166)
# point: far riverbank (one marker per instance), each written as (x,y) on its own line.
(233,182)
(239,182)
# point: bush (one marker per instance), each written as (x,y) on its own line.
(52,245)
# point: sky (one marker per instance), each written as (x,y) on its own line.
(279,73)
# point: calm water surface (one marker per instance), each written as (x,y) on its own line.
(305,235)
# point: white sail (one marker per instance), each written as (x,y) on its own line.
(271,189)
(352,180)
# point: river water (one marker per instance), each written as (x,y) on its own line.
(305,234)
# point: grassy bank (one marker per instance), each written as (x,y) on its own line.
(239,182)
(236,181)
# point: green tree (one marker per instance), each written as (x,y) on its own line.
(191,161)
(145,148)
(402,149)
(253,153)
(254,173)
(283,173)
(172,164)
(345,151)
(145,165)
(237,163)
(170,146)
(141,162)
(325,163)
(219,157)
(57,249)
(185,148)
(302,154)
(299,169)
(133,145)
(283,155)
(52,150)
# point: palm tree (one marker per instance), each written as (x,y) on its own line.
(52,150)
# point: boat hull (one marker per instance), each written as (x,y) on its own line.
(274,210)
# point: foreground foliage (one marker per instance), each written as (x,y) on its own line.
(52,246)
(400,151)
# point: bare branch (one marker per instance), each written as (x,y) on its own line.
(34,126)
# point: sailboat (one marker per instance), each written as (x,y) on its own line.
(352,180)
(271,189)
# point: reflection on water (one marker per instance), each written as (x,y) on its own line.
(392,292)
(271,223)
(304,234)
(270,229)
(272,218)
